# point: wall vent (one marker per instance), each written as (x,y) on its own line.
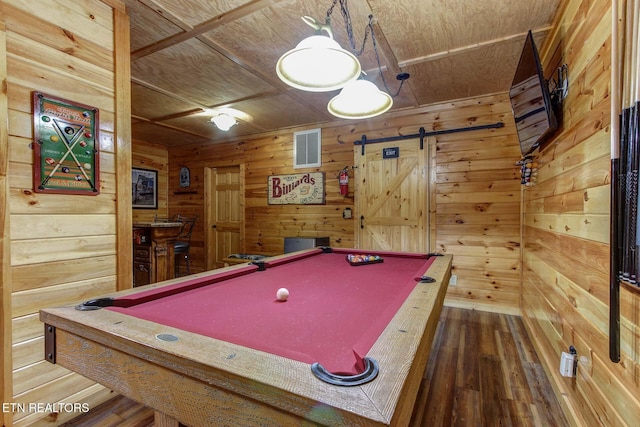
(307,148)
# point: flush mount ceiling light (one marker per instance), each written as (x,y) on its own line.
(224,121)
(319,64)
(226,117)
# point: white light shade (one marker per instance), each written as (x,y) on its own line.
(360,99)
(318,64)
(224,121)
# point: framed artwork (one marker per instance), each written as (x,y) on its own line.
(66,146)
(144,183)
(185,177)
(296,189)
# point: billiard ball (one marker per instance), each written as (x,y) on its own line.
(282,294)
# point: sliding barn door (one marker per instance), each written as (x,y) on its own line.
(392,192)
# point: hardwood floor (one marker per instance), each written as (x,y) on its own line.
(117,412)
(483,371)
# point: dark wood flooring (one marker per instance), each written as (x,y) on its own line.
(483,371)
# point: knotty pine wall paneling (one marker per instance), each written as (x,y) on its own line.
(475,185)
(147,155)
(5,254)
(478,212)
(189,201)
(565,298)
(265,226)
(61,248)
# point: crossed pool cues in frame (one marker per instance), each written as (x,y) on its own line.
(71,135)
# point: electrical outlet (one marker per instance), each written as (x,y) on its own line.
(453,280)
(568,363)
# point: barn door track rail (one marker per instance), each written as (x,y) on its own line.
(422,134)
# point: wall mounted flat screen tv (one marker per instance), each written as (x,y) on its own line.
(530,100)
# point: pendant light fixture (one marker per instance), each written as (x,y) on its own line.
(319,64)
(360,99)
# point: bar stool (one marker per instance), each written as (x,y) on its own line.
(182,245)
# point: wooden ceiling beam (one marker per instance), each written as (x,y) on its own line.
(164,92)
(211,24)
(161,122)
(167,126)
(469,48)
(198,108)
(196,104)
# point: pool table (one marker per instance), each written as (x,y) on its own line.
(347,347)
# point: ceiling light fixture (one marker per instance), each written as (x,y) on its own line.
(360,99)
(224,121)
(319,64)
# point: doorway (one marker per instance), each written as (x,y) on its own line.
(224,213)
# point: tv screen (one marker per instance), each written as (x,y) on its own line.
(530,100)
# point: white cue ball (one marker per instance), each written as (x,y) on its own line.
(282,294)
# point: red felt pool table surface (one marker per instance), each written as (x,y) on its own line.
(334,313)
(202,380)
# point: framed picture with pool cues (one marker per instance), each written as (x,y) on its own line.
(65,147)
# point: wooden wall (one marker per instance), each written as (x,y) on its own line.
(566,233)
(61,248)
(152,156)
(266,226)
(475,187)
(478,209)
(5,243)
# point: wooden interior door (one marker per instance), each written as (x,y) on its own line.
(224,210)
(392,196)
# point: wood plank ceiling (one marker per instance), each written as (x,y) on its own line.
(191,56)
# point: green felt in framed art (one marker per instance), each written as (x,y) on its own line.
(66,146)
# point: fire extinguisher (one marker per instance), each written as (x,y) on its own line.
(344,181)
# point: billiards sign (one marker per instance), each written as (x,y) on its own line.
(66,146)
(296,189)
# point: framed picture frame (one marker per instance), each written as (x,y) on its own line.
(185,177)
(144,186)
(66,146)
